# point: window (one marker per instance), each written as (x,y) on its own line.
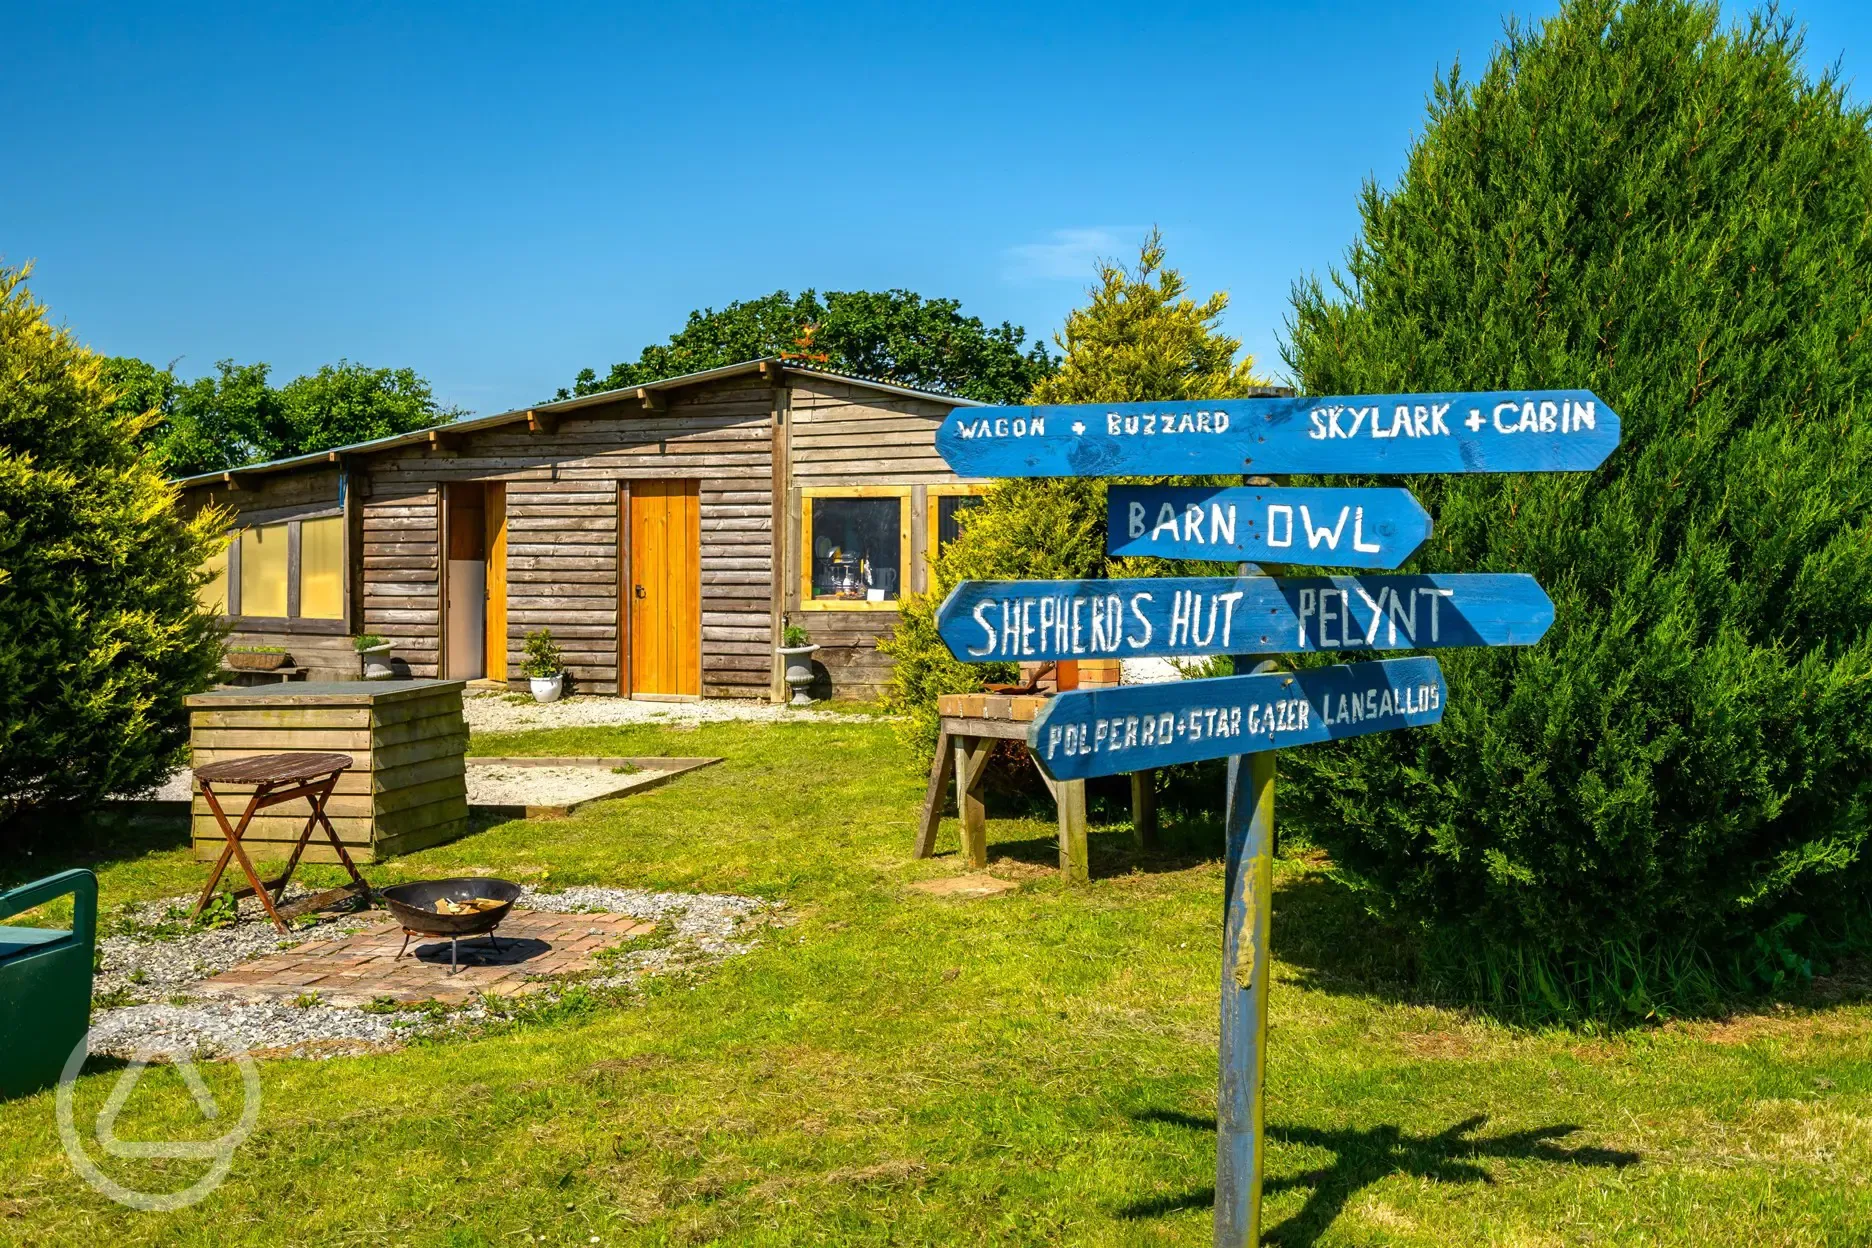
(263,571)
(321,568)
(253,576)
(856,548)
(213,594)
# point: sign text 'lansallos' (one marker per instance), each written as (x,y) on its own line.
(987,621)
(1103,732)
(1484,431)
(1328,528)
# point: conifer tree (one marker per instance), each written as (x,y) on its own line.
(100,632)
(1141,337)
(1670,795)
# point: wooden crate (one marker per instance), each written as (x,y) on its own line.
(407,787)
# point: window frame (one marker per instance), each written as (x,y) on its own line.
(292,621)
(933,518)
(807,494)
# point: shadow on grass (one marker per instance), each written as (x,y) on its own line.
(47,843)
(1365,1157)
(1320,928)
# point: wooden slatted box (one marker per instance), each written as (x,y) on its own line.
(406,790)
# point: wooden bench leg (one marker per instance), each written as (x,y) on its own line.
(1144,808)
(940,767)
(1075,854)
(971,759)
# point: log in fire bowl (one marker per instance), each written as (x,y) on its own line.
(414,906)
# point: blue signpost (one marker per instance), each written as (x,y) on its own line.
(1132,728)
(1485,431)
(1320,528)
(989,621)
(1106,732)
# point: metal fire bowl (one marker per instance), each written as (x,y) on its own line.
(413,905)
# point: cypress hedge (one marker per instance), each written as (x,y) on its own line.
(1668,799)
(100,633)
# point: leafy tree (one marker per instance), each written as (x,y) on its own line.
(1670,796)
(98,575)
(238,417)
(1140,337)
(891,335)
(344,402)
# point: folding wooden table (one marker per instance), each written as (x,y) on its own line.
(971,725)
(277,778)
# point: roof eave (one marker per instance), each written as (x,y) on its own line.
(602,397)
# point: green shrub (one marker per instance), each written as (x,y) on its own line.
(1667,799)
(100,632)
(542,659)
(1141,337)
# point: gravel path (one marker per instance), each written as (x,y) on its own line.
(499,712)
(493,784)
(149,965)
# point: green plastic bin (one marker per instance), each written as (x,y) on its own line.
(45,982)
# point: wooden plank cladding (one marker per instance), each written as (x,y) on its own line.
(402,573)
(847,434)
(406,789)
(562,574)
(747,440)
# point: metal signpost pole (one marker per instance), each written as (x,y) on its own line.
(1249,826)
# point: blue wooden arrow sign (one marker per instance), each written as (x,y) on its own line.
(1102,732)
(1486,431)
(1376,528)
(988,621)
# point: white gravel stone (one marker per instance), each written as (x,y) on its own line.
(493,784)
(496,712)
(220,1028)
(148,961)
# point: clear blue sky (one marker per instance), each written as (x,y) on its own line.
(498,196)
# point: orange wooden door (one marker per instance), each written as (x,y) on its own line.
(665,587)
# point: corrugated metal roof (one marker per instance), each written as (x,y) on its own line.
(474,423)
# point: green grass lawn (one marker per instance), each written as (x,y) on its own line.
(1036,1067)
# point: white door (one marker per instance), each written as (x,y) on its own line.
(467,619)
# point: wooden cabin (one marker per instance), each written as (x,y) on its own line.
(664,535)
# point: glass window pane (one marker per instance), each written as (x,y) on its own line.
(263,571)
(856,548)
(321,569)
(948,506)
(213,594)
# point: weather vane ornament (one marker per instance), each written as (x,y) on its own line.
(1244,718)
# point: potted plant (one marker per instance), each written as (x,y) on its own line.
(543,666)
(374,652)
(256,658)
(796,648)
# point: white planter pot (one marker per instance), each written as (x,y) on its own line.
(799,673)
(547,688)
(377,663)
